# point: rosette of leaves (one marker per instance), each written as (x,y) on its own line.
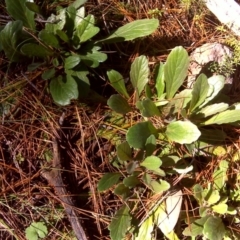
(66,46)
(185,115)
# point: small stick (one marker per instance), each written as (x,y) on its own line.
(54,178)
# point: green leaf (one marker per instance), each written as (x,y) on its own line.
(62,35)
(35,50)
(124,152)
(182,132)
(199,92)
(48,38)
(78,3)
(151,163)
(86,29)
(147,179)
(133,30)
(122,191)
(149,108)
(57,22)
(63,89)
(220,208)
(120,223)
(228,116)
(216,83)
(48,74)
(138,134)
(33,7)
(198,192)
(118,104)
(10,38)
(72,61)
(145,229)
(211,196)
(159,78)
(159,186)
(80,14)
(212,109)
(131,166)
(108,180)
(131,181)
(36,230)
(150,145)
(219,178)
(175,70)
(214,228)
(18,10)
(117,81)
(196,228)
(139,73)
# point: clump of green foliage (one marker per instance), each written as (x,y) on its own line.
(171,115)
(64,45)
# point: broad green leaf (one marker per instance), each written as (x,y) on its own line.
(145,229)
(69,27)
(97,56)
(139,74)
(133,30)
(63,36)
(219,178)
(124,152)
(182,132)
(120,223)
(86,29)
(18,10)
(122,191)
(151,163)
(36,230)
(63,89)
(149,108)
(195,228)
(117,81)
(199,92)
(212,109)
(56,22)
(78,3)
(175,70)
(108,180)
(118,104)
(10,38)
(48,38)
(173,208)
(198,192)
(211,196)
(138,134)
(216,83)
(214,228)
(147,179)
(150,145)
(80,14)
(159,78)
(33,7)
(220,208)
(159,186)
(72,61)
(35,50)
(131,181)
(228,116)
(48,74)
